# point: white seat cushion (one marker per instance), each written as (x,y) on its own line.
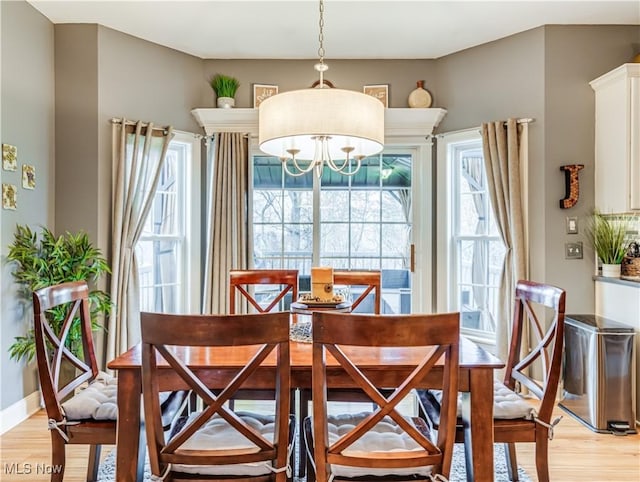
(506,403)
(218,435)
(96,401)
(384,437)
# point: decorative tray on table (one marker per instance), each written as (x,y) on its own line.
(315,302)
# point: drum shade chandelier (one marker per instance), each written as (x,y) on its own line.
(309,128)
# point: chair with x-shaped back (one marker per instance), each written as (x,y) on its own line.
(217,443)
(82,409)
(242,282)
(369,280)
(536,365)
(67,422)
(382,445)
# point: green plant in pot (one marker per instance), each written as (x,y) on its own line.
(608,236)
(48,260)
(225,88)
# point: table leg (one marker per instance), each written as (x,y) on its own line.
(477,420)
(128,431)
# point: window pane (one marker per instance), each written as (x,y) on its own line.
(158,273)
(395,240)
(396,205)
(267,206)
(298,206)
(396,171)
(365,205)
(298,239)
(334,205)
(365,240)
(334,239)
(497,252)
(267,240)
(369,173)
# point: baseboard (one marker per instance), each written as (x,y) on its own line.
(19,411)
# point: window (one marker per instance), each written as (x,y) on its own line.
(347,222)
(169,278)
(471,243)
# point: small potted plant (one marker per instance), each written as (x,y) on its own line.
(607,234)
(225,88)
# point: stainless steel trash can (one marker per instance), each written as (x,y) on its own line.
(599,373)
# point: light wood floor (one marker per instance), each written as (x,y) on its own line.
(576,454)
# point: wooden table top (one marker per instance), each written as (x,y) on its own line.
(471,356)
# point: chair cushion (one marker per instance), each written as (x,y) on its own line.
(217,434)
(384,437)
(506,403)
(97,401)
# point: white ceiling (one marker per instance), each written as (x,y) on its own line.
(361,29)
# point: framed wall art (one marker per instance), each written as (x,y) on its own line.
(9,157)
(9,196)
(261,92)
(28,176)
(379,91)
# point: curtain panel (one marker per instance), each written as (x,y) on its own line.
(227,215)
(138,153)
(504,145)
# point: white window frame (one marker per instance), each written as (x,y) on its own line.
(447,282)
(190,201)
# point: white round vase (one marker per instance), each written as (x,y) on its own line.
(226,102)
(611,270)
(420,97)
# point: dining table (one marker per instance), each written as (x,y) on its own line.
(386,367)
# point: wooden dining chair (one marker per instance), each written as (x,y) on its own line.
(52,354)
(535,367)
(370,280)
(241,283)
(217,443)
(82,408)
(382,445)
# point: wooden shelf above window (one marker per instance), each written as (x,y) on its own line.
(401,124)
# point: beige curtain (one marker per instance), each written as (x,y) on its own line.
(503,150)
(138,154)
(227,234)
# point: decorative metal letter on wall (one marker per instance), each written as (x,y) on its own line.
(572,186)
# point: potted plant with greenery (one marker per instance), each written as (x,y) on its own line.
(48,260)
(607,234)
(225,88)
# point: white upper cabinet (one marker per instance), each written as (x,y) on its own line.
(617,135)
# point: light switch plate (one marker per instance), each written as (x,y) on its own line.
(573,250)
(572,225)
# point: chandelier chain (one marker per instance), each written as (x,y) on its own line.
(321,34)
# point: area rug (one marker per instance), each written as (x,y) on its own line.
(458,472)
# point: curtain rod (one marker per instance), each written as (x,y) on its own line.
(133,123)
(524,120)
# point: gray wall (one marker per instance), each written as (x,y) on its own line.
(28,123)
